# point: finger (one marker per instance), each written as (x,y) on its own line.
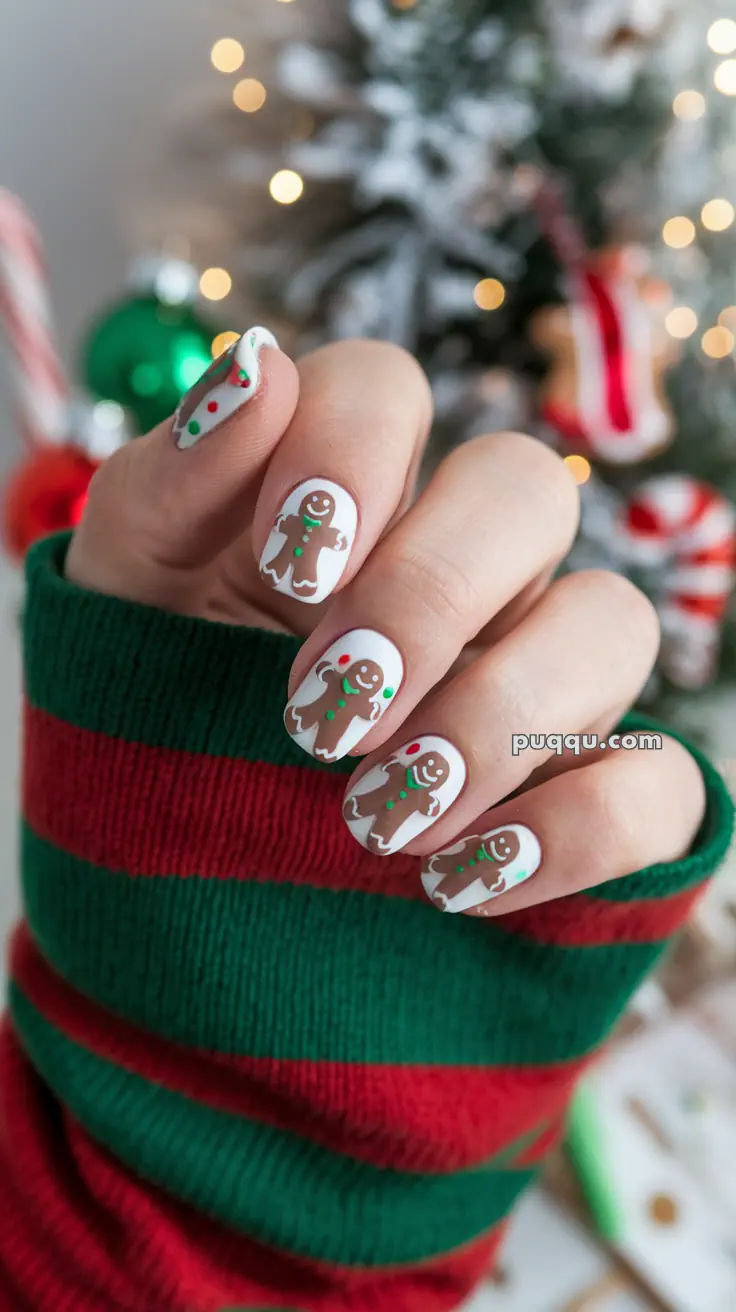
(167,504)
(341,473)
(427,590)
(630,810)
(589,644)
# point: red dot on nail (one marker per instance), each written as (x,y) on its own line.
(343,660)
(412,751)
(213,407)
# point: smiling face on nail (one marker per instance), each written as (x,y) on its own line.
(320,505)
(503,847)
(366,675)
(429,771)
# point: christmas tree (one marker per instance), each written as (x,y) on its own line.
(532,197)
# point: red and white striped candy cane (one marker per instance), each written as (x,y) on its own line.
(26,310)
(689,530)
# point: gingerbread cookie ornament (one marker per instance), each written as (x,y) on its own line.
(231,381)
(310,543)
(345,694)
(396,801)
(480,868)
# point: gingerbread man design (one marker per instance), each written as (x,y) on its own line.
(407,791)
(307,534)
(348,694)
(475,860)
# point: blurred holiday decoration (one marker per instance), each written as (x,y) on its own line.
(490,184)
(145,351)
(688,530)
(47,491)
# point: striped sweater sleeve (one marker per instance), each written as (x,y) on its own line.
(245,1063)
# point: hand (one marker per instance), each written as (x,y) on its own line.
(439,616)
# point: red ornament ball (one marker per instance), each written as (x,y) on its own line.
(46,494)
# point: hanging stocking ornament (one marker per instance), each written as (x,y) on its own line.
(47,491)
(604,393)
(686,530)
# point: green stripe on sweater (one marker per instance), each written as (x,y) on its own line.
(242,967)
(268,1183)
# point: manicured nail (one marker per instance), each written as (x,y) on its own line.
(396,801)
(345,694)
(231,381)
(309,545)
(478,869)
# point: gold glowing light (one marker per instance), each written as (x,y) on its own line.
(678,232)
(404,4)
(227,55)
(727,317)
(489,294)
(249,95)
(286,186)
(681,322)
(725,77)
(688,106)
(722,36)
(222,343)
(718,342)
(717,215)
(579,468)
(215,284)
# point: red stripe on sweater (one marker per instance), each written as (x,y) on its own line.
(178,813)
(582,921)
(79,1233)
(213,815)
(400,1118)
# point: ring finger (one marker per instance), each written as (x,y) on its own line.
(586,647)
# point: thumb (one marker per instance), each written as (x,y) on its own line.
(166,505)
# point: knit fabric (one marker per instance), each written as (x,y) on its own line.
(247,1064)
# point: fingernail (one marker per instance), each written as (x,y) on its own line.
(310,543)
(480,868)
(396,801)
(230,382)
(345,694)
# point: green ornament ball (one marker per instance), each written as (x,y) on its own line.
(145,355)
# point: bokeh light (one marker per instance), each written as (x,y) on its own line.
(681,322)
(249,95)
(489,294)
(579,467)
(222,343)
(717,215)
(718,342)
(679,232)
(215,284)
(725,77)
(286,186)
(722,36)
(688,106)
(228,55)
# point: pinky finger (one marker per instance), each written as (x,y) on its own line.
(623,813)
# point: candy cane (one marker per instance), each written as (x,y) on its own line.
(689,530)
(26,310)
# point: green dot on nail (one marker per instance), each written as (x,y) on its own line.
(342,704)
(298,551)
(471,862)
(330,715)
(403,795)
(459,869)
(194,428)
(389,806)
(388,692)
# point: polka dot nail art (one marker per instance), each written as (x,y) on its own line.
(231,381)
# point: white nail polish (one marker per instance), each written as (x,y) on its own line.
(310,543)
(397,800)
(481,867)
(230,382)
(345,694)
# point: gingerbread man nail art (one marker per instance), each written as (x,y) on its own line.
(397,801)
(479,868)
(345,694)
(309,545)
(231,381)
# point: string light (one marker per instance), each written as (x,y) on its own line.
(727,317)
(718,342)
(286,186)
(227,55)
(678,232)
(579,468)
(688,106)
(249,95)
(717,215)
(489,294)
(222,343)
(215,284)
(725,77)
(681,322)
(722,36)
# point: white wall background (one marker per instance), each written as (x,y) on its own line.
(89,106)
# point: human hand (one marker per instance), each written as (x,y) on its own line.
(284,498)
